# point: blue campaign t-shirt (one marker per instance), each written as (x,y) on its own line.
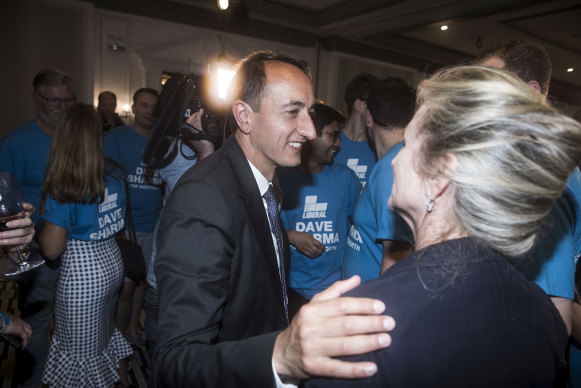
(374,221)
(320,204)
(359,156)
(24,154)
(551,263)
(89,222)
(126,146)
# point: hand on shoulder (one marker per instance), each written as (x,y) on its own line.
(332,326)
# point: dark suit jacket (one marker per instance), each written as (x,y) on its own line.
(221,304)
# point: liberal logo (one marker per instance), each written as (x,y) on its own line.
(314,209)
(360,171)
(109,203)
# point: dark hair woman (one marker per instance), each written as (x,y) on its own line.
(84,207)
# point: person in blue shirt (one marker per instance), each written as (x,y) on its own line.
(554,257)
(318,201)
(552,263)
(125,145)
(380,237)
(23,153)
(84,208)
(106,107)
(357,152)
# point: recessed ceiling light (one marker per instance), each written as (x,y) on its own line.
(222,4)
(444,28)
(569,70)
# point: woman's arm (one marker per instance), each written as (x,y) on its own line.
(53,240)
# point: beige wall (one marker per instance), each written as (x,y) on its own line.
(75,37)
(38,35)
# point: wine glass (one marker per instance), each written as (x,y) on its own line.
(11,200)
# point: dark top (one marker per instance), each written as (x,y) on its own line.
(475,324)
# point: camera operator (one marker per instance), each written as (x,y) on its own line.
(199,135)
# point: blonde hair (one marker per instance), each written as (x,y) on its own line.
(514,152)
(76,165)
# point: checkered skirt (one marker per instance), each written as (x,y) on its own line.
(86,346)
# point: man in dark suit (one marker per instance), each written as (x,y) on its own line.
(222,299)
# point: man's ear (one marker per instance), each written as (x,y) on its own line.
(535,85)
(241,111)
(368,119)
(133,108)
(359,105)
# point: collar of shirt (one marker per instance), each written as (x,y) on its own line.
(261,181)
(263,185)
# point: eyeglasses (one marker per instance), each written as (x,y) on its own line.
(55,101)
(334,135)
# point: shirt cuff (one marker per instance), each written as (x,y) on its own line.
(278,381)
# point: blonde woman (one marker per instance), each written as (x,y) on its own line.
(484,159)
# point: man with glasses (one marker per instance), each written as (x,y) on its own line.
(23,153)
(317,208)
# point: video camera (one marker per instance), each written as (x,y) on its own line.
(181,97)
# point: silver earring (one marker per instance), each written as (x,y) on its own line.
(429,204)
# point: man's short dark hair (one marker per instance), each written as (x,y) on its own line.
(323,115)
(527,59)
(391,103)
(358,88)
(107,93)
(144,90)
(52,77)
(249,83)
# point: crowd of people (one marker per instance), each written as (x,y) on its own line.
(428,238)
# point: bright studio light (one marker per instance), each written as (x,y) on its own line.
(570,70)
(223,78)
(444,28)
(223,4)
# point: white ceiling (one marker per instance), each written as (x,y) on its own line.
(404,32)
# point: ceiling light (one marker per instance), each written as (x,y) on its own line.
(223,4)
(444,28)
(569,70)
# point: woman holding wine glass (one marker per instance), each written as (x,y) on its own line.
(13,214)
(84,207)
(15,235)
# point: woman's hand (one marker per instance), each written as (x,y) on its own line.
(21,231)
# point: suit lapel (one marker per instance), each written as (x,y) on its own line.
(250,195)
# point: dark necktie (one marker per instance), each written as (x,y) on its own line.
(274,219)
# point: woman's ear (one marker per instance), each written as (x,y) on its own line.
(241,111)
(438,184)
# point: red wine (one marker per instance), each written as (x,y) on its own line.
(4,220)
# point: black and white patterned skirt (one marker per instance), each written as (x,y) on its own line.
(86,346)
